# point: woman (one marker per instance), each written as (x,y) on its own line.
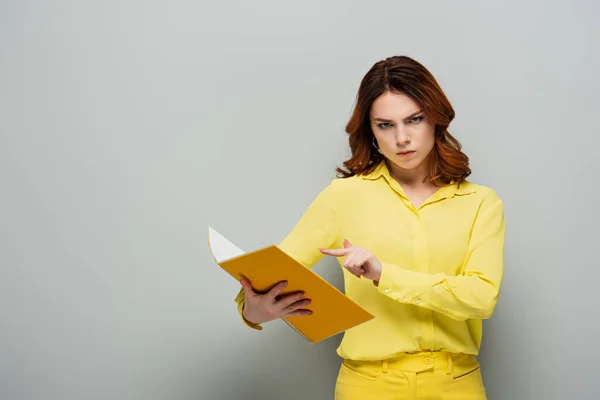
(421,247)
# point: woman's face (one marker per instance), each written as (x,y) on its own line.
(404,134)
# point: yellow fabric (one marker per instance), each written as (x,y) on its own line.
(422,376)
(443,263)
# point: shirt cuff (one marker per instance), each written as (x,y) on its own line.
(403,285)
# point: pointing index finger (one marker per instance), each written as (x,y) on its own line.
(336,252)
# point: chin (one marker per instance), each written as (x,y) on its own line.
(407,164)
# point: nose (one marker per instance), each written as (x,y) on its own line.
(402,136)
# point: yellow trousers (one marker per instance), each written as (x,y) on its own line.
(414,376)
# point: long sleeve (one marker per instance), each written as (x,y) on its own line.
(471,294)
(316,228)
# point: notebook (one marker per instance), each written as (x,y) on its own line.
(332,311)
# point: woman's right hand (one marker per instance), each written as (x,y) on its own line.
(260,308)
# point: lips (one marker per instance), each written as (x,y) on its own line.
(404,153)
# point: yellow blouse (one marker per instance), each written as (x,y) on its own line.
(443,263)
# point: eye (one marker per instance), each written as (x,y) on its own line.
(384,125)
(415,120)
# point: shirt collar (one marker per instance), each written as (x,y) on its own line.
(454,189)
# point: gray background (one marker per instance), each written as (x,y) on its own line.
(126,127)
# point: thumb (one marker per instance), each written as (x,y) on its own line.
(347,243)
(247,287)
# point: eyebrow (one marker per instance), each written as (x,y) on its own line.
(378,119)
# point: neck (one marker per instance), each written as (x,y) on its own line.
(413,177)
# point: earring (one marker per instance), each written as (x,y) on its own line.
(375,145)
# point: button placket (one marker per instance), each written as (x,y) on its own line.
(421,257)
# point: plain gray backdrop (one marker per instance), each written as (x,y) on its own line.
(126,127)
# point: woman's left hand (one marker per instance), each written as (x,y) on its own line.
(359,261)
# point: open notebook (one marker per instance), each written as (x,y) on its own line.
(333,312)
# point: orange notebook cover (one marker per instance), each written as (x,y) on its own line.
(333,312)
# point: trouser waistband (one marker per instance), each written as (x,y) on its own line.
(423,361)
